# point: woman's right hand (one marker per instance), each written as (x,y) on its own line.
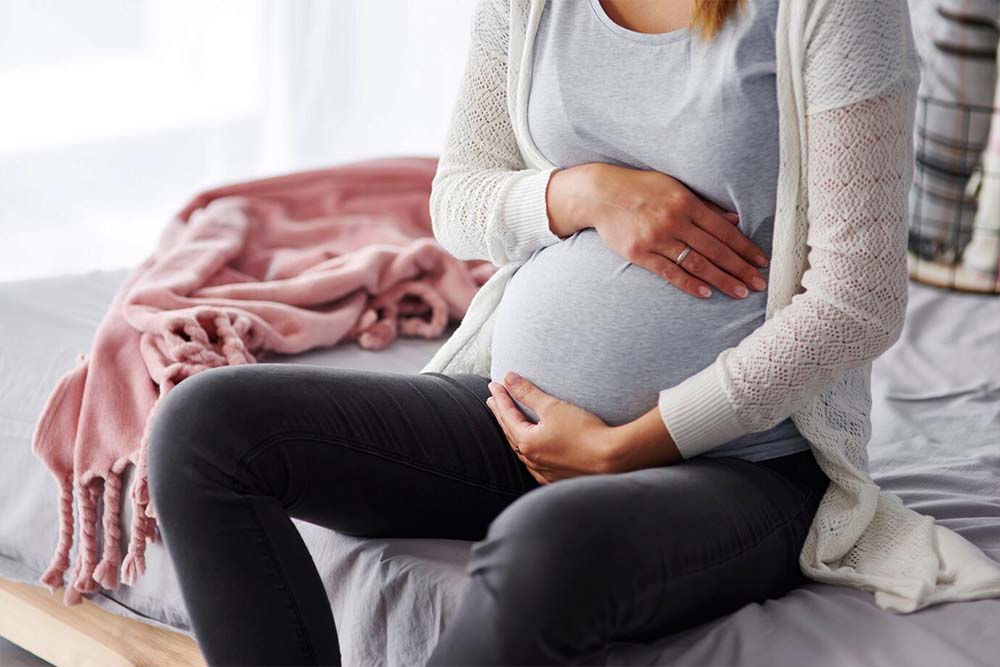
(648,218)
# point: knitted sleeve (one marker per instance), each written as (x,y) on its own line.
(860,73)
(485,203)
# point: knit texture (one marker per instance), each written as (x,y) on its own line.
(847,77)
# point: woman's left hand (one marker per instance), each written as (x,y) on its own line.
(567,441)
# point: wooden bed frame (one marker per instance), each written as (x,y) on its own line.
(86,634)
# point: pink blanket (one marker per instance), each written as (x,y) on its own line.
(280,265)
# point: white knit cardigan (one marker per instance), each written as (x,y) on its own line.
(847,75)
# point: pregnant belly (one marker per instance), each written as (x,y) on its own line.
(590,327)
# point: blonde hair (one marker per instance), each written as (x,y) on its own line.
(709,16)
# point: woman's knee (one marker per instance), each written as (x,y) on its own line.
(545,551)
(191,431)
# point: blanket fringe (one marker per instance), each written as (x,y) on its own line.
(90,574)
(71,596)
(87,500)
(134,563)
(106,572)
(143,522)
(54,575)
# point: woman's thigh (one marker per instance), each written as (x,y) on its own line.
(367,453)
(578,563)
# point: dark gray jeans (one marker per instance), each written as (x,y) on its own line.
(556,571)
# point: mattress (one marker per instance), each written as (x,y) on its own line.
(935,443)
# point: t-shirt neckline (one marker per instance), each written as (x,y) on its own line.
(635,36)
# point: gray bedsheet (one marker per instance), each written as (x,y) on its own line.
(936,443)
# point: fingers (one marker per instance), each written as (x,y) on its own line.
(696,272)
(675,275)
(491,402)
(721,227)
(719,256)
(730,216)
(525,391)
(697,265)
(515,424)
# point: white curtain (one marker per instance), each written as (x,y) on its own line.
(114,112)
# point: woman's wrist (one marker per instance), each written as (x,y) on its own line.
(570,198)
(642,443)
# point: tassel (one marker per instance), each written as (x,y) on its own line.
(378,336)
(88,494)
(231,335)
(71,596)
(53,577)
(106,572)
(134,563)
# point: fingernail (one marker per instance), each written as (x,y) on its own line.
(489,401)
(511,377)
(492,386)
(758,283)
(762,260)
(741,291)
(704,291)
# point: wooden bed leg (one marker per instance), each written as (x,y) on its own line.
(85,634)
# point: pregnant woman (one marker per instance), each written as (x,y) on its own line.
(641,422)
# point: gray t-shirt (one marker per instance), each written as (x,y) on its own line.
(579,320)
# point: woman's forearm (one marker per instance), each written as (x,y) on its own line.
(643,443)
(570,198)
(579,197)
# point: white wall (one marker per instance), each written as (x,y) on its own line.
(114,112)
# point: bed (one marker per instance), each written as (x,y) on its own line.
(935,443)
